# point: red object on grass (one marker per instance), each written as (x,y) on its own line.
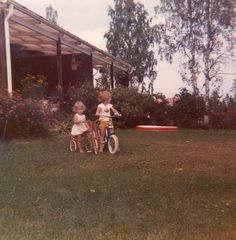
(154,128)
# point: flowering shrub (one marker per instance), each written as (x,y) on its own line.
(34,86)
(224,119)
(22,118)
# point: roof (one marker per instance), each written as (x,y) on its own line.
(36,33)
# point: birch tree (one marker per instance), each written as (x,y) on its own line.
(218,40)
(181,34)
(202,31)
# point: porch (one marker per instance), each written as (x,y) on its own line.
(30,44)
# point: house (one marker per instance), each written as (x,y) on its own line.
(30,44)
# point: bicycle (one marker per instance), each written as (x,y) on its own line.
(111,141)
(89,142)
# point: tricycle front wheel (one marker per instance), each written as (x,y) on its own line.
(73,145)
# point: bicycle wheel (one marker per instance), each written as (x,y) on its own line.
(113,144)
(87,144)
(73,145)
(95,146)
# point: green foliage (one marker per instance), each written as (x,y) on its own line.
(104,82)
(223,112)
(34,86)
(136,108)
(63,120)
(22,118)
(216,104)
(131,38)
(163,110)
(139,108)
(26,118)
(188,110)
(87,94)
(57,92)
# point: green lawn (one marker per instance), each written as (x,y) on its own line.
(164,186)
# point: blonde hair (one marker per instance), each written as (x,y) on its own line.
(77,105)
(104,95)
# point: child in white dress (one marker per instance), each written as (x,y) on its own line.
(80,126)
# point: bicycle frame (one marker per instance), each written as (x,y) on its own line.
(110,138)
(108,132)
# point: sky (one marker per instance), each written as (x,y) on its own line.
(89,20)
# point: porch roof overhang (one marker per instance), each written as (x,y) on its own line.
(35,33)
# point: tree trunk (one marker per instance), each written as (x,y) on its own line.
(193,51)
(207,55)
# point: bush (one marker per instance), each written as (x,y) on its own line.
(222,112)
(63,120)
(87,94)
(22,118)
(162,111)
(188,110)
(231,118)
(136,108)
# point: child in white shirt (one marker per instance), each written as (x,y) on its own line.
(104,112)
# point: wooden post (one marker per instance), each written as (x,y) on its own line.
(112,76)
(91,54)
(3,63)
(59,64)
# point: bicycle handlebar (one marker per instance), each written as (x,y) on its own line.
(113,116)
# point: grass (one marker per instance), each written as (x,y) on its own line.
(160,186)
